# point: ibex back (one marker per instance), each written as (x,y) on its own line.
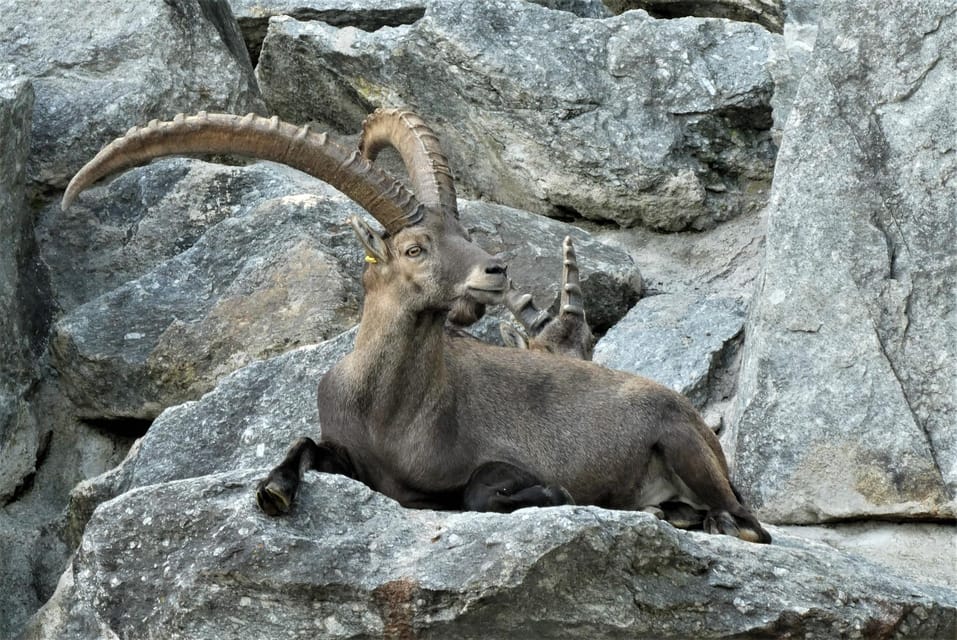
(440,422)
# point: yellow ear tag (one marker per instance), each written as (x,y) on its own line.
(371,260)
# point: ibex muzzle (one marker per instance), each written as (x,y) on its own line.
(435,421)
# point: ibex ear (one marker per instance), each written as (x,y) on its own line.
(374,244)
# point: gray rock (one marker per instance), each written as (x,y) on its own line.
(20,436)
(723,262)
(790,57)
(640,121)
(128,227)
(768,13)
(283,275)
(248,420)
(35,544)
(678,340)
(369,15)
(846,405)
(196,558)
(100,68)
(910,549)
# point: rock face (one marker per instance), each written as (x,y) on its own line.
(351,563)
(847,386)
(638,121)
(100,68)
(18,433)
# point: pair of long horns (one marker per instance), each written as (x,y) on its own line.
(349,171)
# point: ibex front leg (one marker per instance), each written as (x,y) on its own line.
(502,487)
(275,494)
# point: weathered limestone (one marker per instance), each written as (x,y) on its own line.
(640,121)
(351,563)
(99,68)
(678,340)
(847,384)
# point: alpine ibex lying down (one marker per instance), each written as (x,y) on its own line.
(441,422)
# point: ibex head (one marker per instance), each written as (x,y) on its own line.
(430,265)
(425,255)
(433,262)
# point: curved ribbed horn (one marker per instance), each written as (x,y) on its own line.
(419,147)
(377,192)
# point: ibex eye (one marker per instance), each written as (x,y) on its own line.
(413,251)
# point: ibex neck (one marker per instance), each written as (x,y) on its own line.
(399,356)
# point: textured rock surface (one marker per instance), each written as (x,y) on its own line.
(34,543)
(123,230)
(20,436)
(767,13)
(280,276)
(248,420)
(847,384)
(102,67)
(923,551)
(369,15)
(790,58)
(658,122)
(351,563)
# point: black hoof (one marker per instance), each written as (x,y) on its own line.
(275,494)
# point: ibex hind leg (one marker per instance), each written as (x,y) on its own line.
(701,471)
(502,487)
(277,491)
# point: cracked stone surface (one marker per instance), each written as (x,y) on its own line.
(99,68)
(196,559)
(663,123)
(847,383)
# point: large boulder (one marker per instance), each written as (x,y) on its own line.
(630,119)
(101,67)
(125,229)
(21,437)
(846,403)
(253,285)
(196,559)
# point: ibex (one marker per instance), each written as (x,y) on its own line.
(438,422)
